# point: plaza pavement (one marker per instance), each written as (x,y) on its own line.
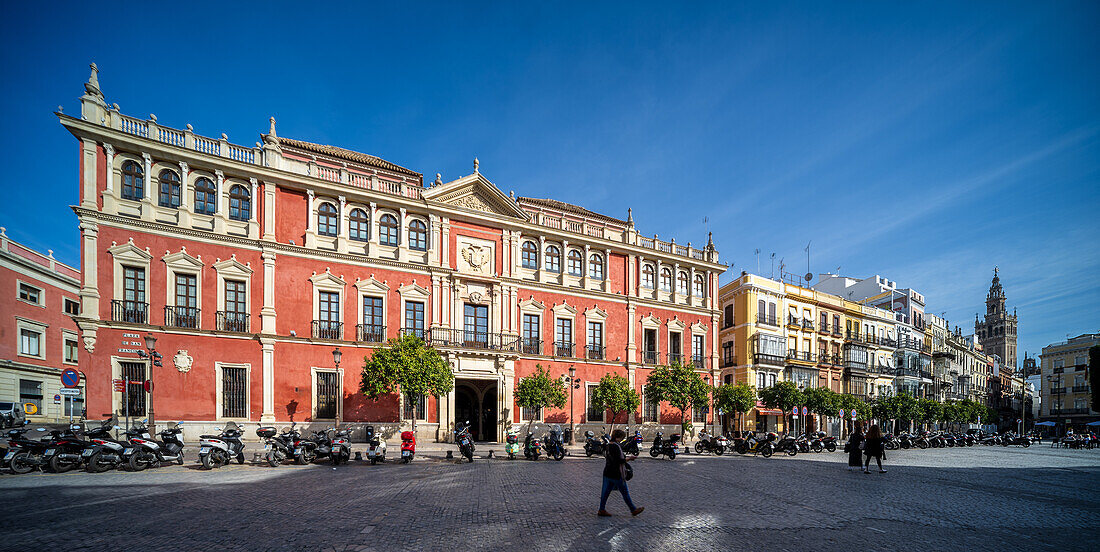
(978,498)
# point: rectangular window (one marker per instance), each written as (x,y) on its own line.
(595,340)
(475,325)
(532,414)
(133,284)
(374,329)
(593,414)
(532,345)
(328,393)
(761,380)
(30,391)
(30,293)
(727,354)
(675,347)
(185,314)
(649,411)
(71,348)
(698,416)
(414,318)
(328,315)
(836,323)
(72,307)
(134,397)
(1059,363)
(235,317)
(649,346)
(697,350)
(727,316)
(30,343)
(563,337)
(234,392)
(417,408)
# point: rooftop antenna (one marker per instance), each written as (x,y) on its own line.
(809,275)
(772,274)
(758,261)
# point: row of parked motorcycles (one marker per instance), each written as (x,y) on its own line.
(551,444)
(941,439)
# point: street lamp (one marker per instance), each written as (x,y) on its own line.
(154,357)
(336,356)
(801,387)
(573,384)
(1056,383)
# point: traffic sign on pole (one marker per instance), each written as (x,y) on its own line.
(69,392)
(841,412)
(805,411)
(70,378)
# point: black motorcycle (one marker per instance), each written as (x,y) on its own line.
(553,444)
(592,446)
(151,453)
(632,444)
(710,443)
(65,450)
(787,444)
(667,447)
(23,454)
(465,442)
(277,446)
(105,452)
(217,450)
(532,447)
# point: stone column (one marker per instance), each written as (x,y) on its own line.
(89,185)
(607,271)
(148,189)
(267,312)
(311,220)
(402,235)
(269,211)
(187,197)
(89,290)
(222,209)
(584,266)
(110,203)
(372,245)
(268,347)
(342,226)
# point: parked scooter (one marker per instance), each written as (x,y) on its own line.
(552,443)
(465,442)
(23,454)
(511,443)
(592,446)
(376,447)
(408,446)
(667,447)
(787,444)
(105,452)
(277,445)
(710,443)
(151,453)
(632,444)
(532,447)
(765,447)
(64,452)
(218,450)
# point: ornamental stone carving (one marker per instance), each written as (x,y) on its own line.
(183,361)
(474,202)
(476,256)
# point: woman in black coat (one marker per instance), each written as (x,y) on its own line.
(854,460)
(873,449)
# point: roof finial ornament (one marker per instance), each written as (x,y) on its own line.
(270,138)
(710,240)
(272,131)
(630,216)
(512,194)
(92,86)
(438,179)
(476,163)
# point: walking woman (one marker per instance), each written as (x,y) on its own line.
(614,474)
(853,448)
(873,449)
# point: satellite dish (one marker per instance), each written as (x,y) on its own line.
(809,276)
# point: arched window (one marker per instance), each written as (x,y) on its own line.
(326,220)
(206,196)
(649,276)
(530,255)
(240,203)
(595,266)
(700,285)
(666,279)
(553,258)
(133,181)
(682,283)
(388,231)
(576,263)
(359,225)
(418,235)
(169,189)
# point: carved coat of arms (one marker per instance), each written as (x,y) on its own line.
(476,256)
(183,361)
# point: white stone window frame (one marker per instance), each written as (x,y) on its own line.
(154,193)
(314,370)
(653,268)
(601,261)
(596,314)
(698,329)
(182,263)
(318,201)
(34,326)
(219,403)
(545,255)
(418,294)
(193,176)
(650,322)
(365,208)
(232,269)
(120,159)
(372,288)
(567,312)
(699,286)
(243,227)
(539,254)
(588,386)
(69,335)
(671,279)
(566,269)
(65,304)
(405,230)
(128,254)
(327,281)
(376,225)
(41,293)
(676,326)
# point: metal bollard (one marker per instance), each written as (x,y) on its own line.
(490,454)
(450,455)
(359,455)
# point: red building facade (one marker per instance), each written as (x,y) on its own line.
(251,265)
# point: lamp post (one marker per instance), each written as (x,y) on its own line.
(573,384)
(336,356)
(1056,383)
(154,358)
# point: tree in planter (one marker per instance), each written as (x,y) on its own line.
(680,386)
(408,366)
(821,401)
(735,397)
(540,390)
(784,396)
(614,394)
(929,411)
(862,407)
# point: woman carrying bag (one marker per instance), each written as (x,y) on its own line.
(616,472)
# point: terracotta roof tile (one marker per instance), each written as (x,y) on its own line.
(348,155)
(568,208)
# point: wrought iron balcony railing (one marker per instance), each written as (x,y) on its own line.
(649,357)
(328,329)
(472,339)
(594,352)
(181,317)
(563,349)
(136,312)
(230,321)
(530,346)
(370,333)
(767,320)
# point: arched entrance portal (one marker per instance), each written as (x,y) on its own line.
(476,402)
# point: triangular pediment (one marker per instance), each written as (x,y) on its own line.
(475,193)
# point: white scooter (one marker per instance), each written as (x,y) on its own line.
(376,447)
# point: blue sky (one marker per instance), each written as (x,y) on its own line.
(925,144)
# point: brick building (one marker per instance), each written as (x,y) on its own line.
(38,337)
(250,265)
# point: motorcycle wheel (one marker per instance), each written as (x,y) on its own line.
(240,458)
(791,451)
(672,454)
(741,449)
(698,448)
(766,451)
(831,447)
(512,456)
(470,456)
(588,452)
(21,463)
(302,458)
(654,452)
(94,465)
(57,465)
(272,460)
(719,450)
(207,461)
(922,445)
(816,447)
(905,445)
(1027,444)
(558,455)
(138,461)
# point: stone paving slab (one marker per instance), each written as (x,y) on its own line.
(976,498)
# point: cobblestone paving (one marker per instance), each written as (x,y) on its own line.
(975,499)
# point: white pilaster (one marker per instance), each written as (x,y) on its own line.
(268,345)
